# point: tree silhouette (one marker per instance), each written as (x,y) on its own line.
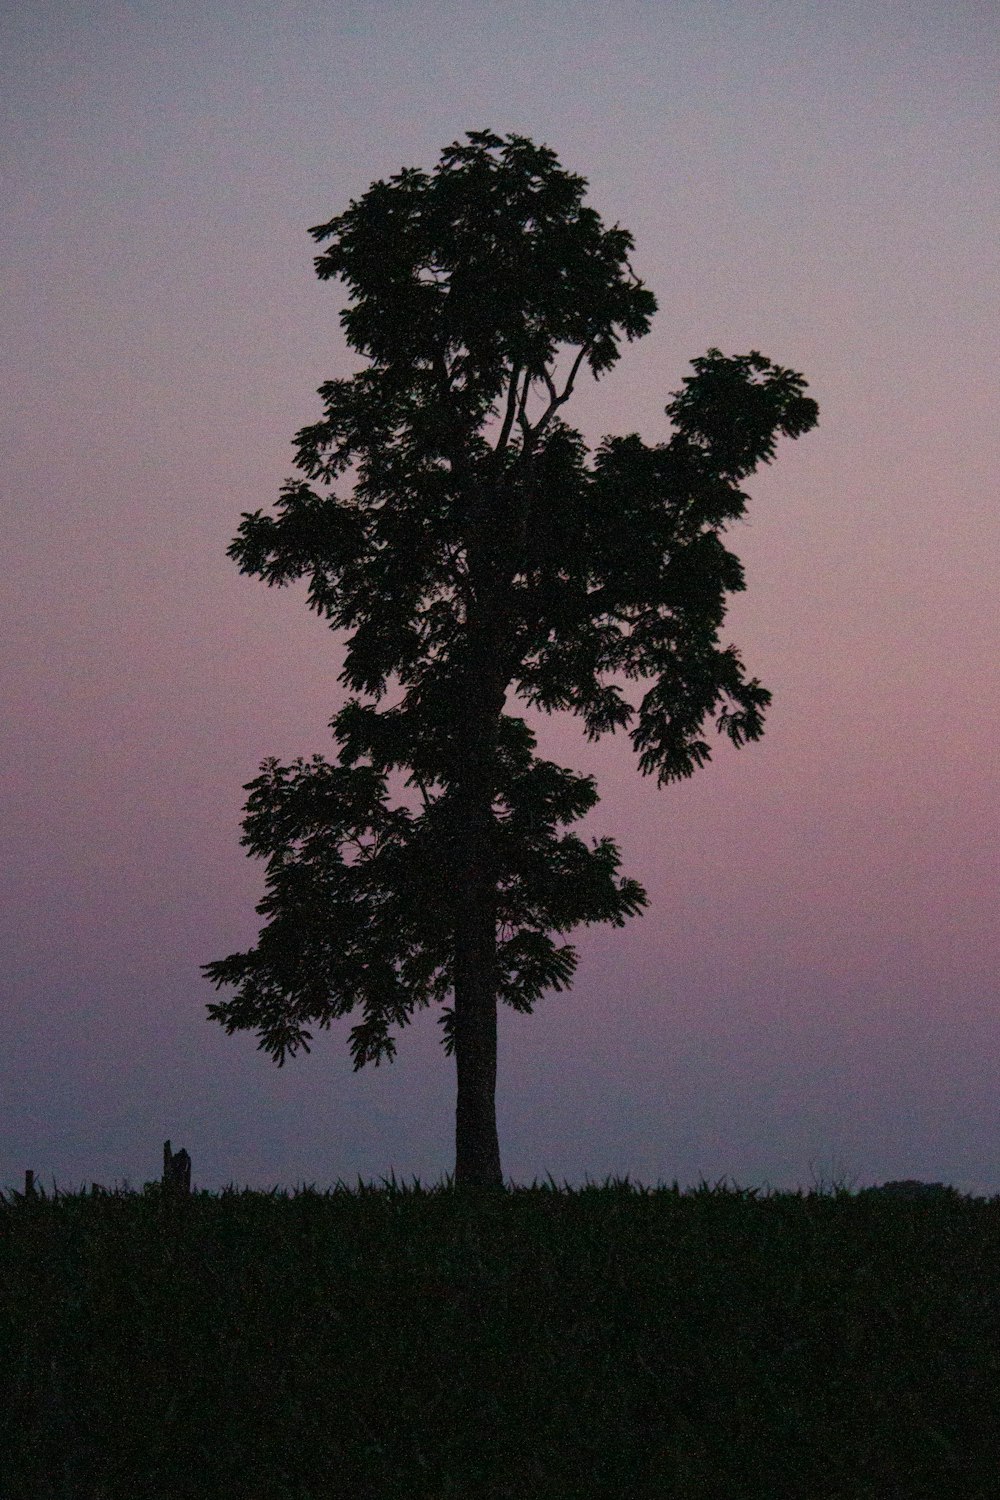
(479,550)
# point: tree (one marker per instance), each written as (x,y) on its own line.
(481,551)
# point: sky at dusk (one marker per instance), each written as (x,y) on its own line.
(812,992)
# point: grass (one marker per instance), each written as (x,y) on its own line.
(713,1344)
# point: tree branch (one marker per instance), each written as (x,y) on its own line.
(556,400)
(522,420)
(531,434)
(508,420)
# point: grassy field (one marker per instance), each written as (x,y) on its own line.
(529,1343)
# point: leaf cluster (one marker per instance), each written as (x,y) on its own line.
(624,573)
(361,905)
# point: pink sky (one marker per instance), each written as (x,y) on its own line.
(813,989)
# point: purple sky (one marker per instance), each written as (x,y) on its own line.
(812,992)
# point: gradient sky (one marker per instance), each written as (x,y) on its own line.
(813,990)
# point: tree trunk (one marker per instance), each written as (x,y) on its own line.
(477,1149)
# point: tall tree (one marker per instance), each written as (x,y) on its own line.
(476,550)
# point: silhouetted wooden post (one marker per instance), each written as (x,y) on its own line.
(176,1171)
(29,1184)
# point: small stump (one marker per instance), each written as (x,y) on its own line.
(176,1172)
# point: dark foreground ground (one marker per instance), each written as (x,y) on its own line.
(534,1343)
